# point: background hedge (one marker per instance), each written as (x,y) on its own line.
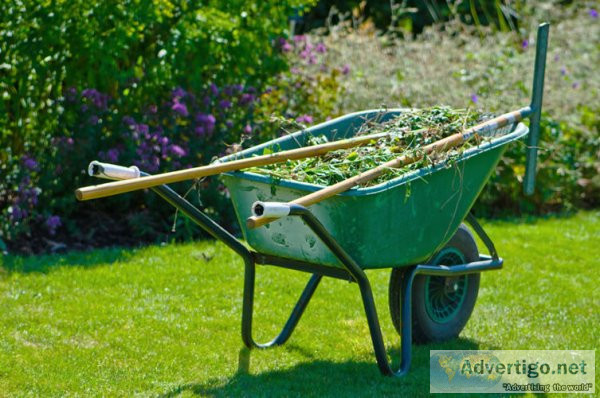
(169,84)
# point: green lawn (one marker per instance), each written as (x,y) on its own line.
(166,321)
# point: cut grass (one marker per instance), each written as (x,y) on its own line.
(407,135)
(165,321)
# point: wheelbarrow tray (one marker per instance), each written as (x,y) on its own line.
(397,223)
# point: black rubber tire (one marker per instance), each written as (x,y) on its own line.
(424,328)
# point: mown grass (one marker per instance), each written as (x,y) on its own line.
(165,321)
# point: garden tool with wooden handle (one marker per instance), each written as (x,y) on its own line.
(132,181)
(266,212)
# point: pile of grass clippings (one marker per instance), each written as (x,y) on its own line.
(409,132)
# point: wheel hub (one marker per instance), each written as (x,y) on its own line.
(445,295)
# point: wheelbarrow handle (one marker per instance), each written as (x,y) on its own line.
(112,171)
(536,107)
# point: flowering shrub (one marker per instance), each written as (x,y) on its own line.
(177,128)
(456,66)
(310,91)
(70,73)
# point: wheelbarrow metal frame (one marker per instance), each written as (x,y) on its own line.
(350,271)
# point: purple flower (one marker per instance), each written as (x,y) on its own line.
(70,141)
(112,155)
(474,98)
(214,89)
(52,223)
(563,71)
(200,130)
(180,108)
(128,120)
(153,109)
(29,162)
(207,123)
(556,57)
(247,129)
(225,104)
(99,100)
(525,44)
(295,70)
(345,69)
(247,98)
(229,124)
(299,39)
(321,48)
(177,150)
(286,47)
(593,13)
(89,93)
(71,93)
(575,85)
(179,93)
(306,119)
(16,213)
(206,119)
(228,91)
(142,128)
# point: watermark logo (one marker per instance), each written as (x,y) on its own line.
(512,371)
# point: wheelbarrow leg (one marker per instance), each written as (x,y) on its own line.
(221,234)
(485,263)
(366,293)
(248,308)
(375,329)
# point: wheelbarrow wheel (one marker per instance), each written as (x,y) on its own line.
(441,305)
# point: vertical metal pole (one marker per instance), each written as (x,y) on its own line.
(536,106)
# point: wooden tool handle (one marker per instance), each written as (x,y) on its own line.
(342,186)
(117,187)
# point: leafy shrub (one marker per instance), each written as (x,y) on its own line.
(568,171)
(162,84)
(166,118)
(457,67)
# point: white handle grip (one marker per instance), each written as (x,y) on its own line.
(112,171)
(270,209)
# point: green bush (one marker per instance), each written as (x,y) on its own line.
(568,171)
(162,84)
(134,49)
(455,66)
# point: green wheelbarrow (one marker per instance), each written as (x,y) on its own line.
(412,224)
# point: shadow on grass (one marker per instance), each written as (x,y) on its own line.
(325,378)
(50,262)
